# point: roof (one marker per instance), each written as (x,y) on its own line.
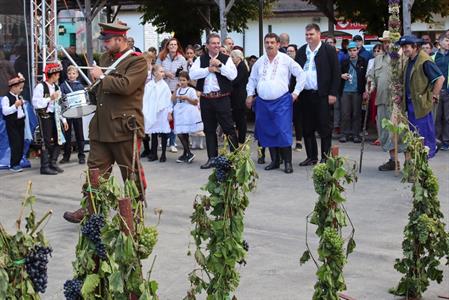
(289,6)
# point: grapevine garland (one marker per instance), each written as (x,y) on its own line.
(218,225)
(24,256)
(425,240)
(110,247)
(330,216)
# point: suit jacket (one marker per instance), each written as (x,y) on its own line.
(119,96)
(238,94)
(327,68)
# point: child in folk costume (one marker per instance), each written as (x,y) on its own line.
(14,116)
(69,86)
(186,114)
(157,110)
(150,59)
(45,101)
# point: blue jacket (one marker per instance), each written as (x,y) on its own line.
(74,85)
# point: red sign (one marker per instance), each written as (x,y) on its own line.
(346,25)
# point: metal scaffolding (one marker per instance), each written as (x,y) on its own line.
(43,36)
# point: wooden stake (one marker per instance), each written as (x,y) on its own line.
(94,180)
(125,210)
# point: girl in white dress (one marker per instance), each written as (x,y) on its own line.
(186,114)
(157,110)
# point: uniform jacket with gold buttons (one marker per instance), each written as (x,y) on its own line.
(119,97)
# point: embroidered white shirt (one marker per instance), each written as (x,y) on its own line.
(271,78)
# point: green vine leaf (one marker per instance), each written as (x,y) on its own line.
(90,284)
(116,282)
(305,257)
(350,247)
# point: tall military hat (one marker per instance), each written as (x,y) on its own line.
(109,30)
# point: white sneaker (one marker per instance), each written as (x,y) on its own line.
(173,149)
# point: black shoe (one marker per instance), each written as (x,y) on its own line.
(145,154)
(64,160)
(388,166)
(189,157)
(343,139)
(56,168)
(357,140)
(208,164)
(82,161)
(163,158)
(261,160)
(298,147)
(308,162)
(48,171)
(181,159)
(273,165)
(323,160)
(152,157)
(288,168)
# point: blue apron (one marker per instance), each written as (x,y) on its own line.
(274,121)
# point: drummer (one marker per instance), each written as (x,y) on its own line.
(70,85)
(119,101)
(45,101)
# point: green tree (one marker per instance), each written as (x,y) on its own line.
(374,13)
(188,18)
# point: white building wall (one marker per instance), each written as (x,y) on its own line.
(132,18)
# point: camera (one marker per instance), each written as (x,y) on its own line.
(178,70)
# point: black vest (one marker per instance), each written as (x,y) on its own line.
(12,100)
(47,89)
(42,112)
(224,83)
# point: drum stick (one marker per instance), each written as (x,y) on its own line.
(74,63)
(103,68)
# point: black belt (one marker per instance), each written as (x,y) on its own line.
(214,95)
(311,91)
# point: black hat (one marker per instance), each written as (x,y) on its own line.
(357,38)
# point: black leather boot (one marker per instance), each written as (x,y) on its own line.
(45,164)
(286,153)
(275,157)
(54,159)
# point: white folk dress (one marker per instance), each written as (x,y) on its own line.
(187,116)
(157,105)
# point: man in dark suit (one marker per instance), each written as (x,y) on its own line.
(320,63)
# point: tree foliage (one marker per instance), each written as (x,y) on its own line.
(374,13)
(187,18)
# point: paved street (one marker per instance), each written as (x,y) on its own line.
(378,205)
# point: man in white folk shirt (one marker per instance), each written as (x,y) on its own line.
(273,105)
(214,73)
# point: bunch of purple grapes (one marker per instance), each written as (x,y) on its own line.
(92,230)
(36,267)
(222,167)
(72,289)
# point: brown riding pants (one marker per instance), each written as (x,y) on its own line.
(104,155)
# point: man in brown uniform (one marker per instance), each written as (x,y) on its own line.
(119,102)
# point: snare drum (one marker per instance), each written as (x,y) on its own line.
(77,105)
